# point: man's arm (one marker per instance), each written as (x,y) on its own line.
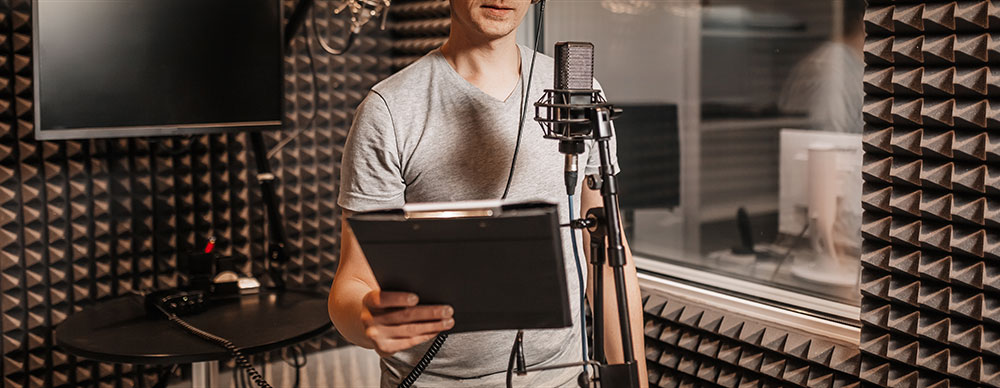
(387,322)
(612,336)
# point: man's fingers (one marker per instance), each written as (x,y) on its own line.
(414,314)
(389,299)
(417,329)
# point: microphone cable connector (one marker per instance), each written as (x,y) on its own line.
(571,173)
(581,223)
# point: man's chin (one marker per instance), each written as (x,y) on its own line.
(495,32)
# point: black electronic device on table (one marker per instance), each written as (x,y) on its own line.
(499,266)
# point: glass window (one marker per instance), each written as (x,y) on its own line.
(740,142)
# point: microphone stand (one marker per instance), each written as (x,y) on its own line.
(605,225)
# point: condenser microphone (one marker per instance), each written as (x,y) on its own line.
(574,86)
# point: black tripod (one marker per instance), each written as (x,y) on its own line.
(575,124)
(604,224)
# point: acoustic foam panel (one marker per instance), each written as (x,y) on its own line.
(417,27)
(85,220)
(688,344)
(930,277)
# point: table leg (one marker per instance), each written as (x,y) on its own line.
(204,374)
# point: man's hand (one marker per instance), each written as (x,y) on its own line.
(394,322)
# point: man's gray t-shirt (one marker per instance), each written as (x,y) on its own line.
(426,134)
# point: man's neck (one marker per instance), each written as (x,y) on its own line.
(492,66)
(856,41)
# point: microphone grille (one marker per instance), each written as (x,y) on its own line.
(574,65)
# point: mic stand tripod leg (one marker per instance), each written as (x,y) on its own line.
(597,261)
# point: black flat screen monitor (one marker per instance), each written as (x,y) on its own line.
(121,68)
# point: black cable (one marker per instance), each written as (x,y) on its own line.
(524,101)
(298,377)
(326,46)
(296,352)
(242,376)
(238,356)
(513,355)
(424,361)
(418,369)
(518,351)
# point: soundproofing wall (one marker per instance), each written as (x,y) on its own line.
(417,27)
(931,257)
(86,220)
(690,344)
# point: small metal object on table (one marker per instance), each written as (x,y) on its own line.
(119,330)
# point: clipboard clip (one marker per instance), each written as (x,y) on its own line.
(450,210)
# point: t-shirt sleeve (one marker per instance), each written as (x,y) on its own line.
(371,177)
(593,153)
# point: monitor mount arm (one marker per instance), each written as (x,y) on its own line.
(277,256)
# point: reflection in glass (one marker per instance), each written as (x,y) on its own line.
(798,99)
(827,85)
(740,144)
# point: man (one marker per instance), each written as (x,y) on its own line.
(444,129)
(827,84)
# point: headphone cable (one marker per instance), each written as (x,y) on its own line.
(432,351)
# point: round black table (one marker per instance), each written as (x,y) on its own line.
(119,330)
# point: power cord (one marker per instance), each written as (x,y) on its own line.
(424,361)
(516,360)
(238,356)
(296,353)
(583,291)
(418,369)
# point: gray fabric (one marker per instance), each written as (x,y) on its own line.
(828,86)
(428,135)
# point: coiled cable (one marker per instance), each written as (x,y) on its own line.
(241,360)
(418,369)
(424,361)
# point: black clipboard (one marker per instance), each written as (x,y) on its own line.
(500,266)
